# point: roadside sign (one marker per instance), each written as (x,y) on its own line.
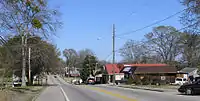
(162,77)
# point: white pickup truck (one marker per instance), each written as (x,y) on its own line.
(180,81)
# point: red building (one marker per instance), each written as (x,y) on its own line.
(113,69)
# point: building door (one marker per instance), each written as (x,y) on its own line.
(111,78)
(105,79)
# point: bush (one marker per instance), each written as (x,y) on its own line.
(137,81)
(156,82)
(145,81)
(130,81)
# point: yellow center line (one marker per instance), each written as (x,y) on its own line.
(125,98)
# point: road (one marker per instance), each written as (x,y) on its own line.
(67,92)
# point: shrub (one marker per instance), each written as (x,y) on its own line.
(145,81)
(137,80)
(130,81)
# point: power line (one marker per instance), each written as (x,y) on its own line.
(171,32)
(152,24)
(108,56)
(122,23)
(147,26)
(125,21)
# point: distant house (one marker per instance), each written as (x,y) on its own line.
(151,72)
(72,72)
(187,72)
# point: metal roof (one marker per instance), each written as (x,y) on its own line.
(155,69)
(188,70)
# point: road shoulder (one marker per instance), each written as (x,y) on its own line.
(52,92)
(157,89)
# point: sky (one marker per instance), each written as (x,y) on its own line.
(88,23)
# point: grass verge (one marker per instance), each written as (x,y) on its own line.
(161,88)
(20,93)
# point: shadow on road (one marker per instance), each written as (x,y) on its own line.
(189,95)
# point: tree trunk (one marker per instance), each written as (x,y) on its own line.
(24,60)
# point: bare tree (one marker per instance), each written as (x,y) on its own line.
(163,41)
(191,16)
(71,57)
(190,48)
(82,55)
(27,17)
(135,52)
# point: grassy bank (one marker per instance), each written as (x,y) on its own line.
(20,93)
(161,86)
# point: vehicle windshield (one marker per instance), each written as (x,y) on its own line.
(179,79)
(90,79)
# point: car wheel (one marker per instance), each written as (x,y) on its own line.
(188,91)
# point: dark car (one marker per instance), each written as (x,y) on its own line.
(189,89)
(197,78)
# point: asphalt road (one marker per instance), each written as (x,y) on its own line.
(68,92)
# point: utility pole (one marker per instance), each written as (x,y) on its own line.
(24,42)
(29,64)
(113,50)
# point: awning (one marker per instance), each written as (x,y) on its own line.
(126,69)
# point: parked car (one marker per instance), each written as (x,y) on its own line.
(189,89)
(197,78)
(77,82)
(91,81)
(73,81)
(81,81)
(180,81)
(17,83)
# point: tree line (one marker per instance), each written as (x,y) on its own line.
(27,24)
(44,57)
(85,61)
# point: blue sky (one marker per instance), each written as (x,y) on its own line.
(87,20)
